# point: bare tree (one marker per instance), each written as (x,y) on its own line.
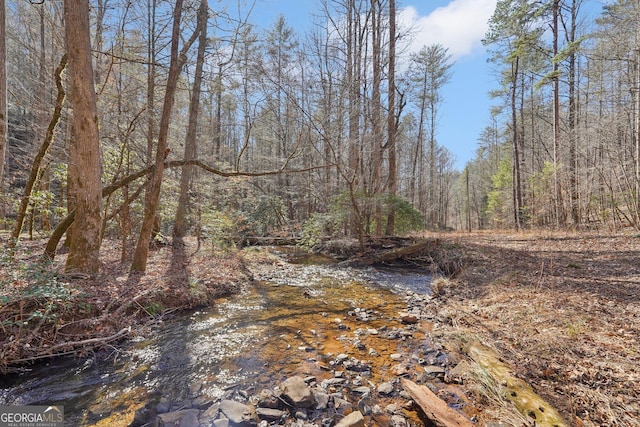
(84,250)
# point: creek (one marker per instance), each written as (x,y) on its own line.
(299,317)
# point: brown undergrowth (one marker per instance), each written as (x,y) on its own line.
(563,311)
(44,313)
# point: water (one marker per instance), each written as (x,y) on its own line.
(293,320)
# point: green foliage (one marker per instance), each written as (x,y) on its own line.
(498,199)
(311,232)
(34,287)
(408,218)
(219,227)
(267,215)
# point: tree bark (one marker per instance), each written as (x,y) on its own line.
(391,120)
(4,118)
(190,144)
(435,409)
(84,252)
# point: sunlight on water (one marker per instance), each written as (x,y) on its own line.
(294,320)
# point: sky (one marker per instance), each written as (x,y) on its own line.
(458,25)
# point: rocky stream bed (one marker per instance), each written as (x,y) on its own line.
(305,344)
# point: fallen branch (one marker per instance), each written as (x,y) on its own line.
(435,409)
(51,351)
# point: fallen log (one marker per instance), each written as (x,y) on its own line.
(525,399)
(388,256)
(434,408)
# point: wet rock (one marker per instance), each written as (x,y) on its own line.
(223,422)
(356,365)
(185,418)
(163,406)
(270,414)
(237,413)
(267,399)
(354,419)
(385,389)
(296,391)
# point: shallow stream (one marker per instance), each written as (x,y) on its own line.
(293,320)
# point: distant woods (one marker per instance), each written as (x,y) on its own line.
(345,111)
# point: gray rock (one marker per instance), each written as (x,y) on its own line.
(385,389)
(270,414)
(362,390)
(322,399)
(267,399)
(222,422)
(238,413)
(341,405)
(434,370)
(297,392)
(354,419)
(185,418)
(398,421)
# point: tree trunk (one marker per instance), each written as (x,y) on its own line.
(4,119)
(376,117)
(34,175)
(84,251)
(152,195)
(190,144)
(391,119)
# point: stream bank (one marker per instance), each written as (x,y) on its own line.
(349,334)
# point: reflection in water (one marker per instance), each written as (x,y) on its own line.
(292,321)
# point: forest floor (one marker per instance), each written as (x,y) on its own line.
(44,312)
(562,310)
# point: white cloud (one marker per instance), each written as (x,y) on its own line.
(459,26)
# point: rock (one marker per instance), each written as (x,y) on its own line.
(297,392)
(322,399)
(408,318)
(400,369)
(385,389)
(398,421)
(354,419)
(267,399)
(223,422)
(362,390)
(238,413)
(396,356)
(341,405)
(185,418)
(459,374)
(393,408)
(270,414)
(434,370)
(301,415)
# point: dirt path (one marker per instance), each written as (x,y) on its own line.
(562,310)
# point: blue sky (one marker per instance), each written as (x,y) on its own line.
(458,25)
